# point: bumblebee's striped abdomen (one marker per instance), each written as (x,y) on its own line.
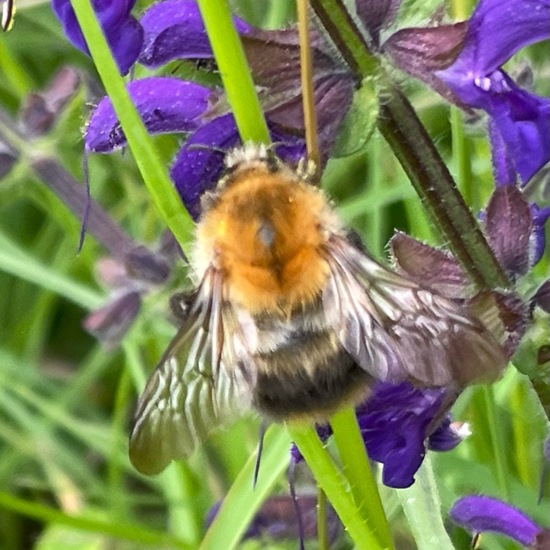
(310,376)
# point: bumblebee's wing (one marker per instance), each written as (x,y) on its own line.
(189,394)
(397,330)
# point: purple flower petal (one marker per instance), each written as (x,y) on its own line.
(196,169)
(174,30)
(393,422)
(165,105)
(123,32)
(523,120)
(504,171)
(497,30)
(478,513)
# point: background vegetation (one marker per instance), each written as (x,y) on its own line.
(65,401)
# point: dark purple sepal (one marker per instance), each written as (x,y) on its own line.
(332,96)
(537,243)
(174,30)
(273,53)
(508,225)
(422,51)
(9,157)
(377,15)
(479,513)
(122,31)
(429,266)
(542,541)
(144,265)
(41,110)
(165,105)
(110,323)
(542,299)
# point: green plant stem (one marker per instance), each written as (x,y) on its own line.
(334,485)
(357,470)
(322,530)
(416,152)
(236,77)
(149,163)
(422,506)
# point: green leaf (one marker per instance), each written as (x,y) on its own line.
(61,537)
(359,123)
(243,499)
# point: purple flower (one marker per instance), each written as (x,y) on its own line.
(496,31)
(122,31)
(463,62)
(397,425)
(479,513)
(174,30)
(394,423)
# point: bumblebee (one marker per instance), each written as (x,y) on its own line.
(291,317)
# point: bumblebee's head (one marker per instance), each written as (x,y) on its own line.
(265,229)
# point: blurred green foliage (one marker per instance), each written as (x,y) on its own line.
(65,402)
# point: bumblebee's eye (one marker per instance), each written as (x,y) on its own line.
(266,234)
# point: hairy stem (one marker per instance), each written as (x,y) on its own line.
(416,152)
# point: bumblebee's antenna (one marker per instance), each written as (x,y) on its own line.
(306,77)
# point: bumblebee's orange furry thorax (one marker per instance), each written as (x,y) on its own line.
(265,233)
